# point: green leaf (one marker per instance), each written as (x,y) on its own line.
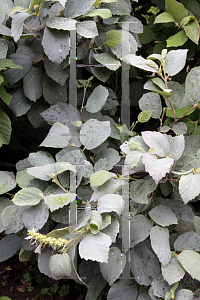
(64,113)
(8,247)
(5,202)
(176,9)
(75,9)
(14,9)
(109,187)
(187,241)
(144,296)
(189,186)
(87,29)
(60,232)
(177,39)
(151,102)
(154,56)
(4,95)
(144,270)
(60,265)
(102,12)
(140,227)
(2,12)
(58,136)
(178,96)
(132,158)
(23,103)
(163,215)
(54,91)
(12,218)
(190,260)
(109,203)
(32,84)
(106,221)
(3,49)
(112,38)
(151,64)
(27,196)
(165,17)
(6,183)
(95,247)
(140,189)
(56,44)
(123,289)
(95,222)
(187,19)
(194,128)
(1,79)
(17,25)
(160,287)
(43,262)
(193,6)
(40,158)
(177,145)
(108,60)
(93,133)
(175,61)
(192,85)
(160,243)
(192,31)
(101,74)
(147,36)
(42,172)
(149,85)
(134,145)
(24,61)
(184,294)
(36,216)
(61,23)
(138,62)
(116,263)
(144,116)
(23,179)
(173,272)
(8,63)
(5,30)
(97,284)
(159,82)
(120,7)
(5,128)
(59,200)
(128,43)
(100,177)
(32,53)
(97,99)
(56,72)
(112,229)
(179,112)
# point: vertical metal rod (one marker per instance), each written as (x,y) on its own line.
(72,78)
(125,104)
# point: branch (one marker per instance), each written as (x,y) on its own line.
(183,115)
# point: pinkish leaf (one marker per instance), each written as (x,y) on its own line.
(157,168)
(158,141)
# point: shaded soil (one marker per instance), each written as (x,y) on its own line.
(23,281)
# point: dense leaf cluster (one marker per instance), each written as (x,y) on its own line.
(136,190)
